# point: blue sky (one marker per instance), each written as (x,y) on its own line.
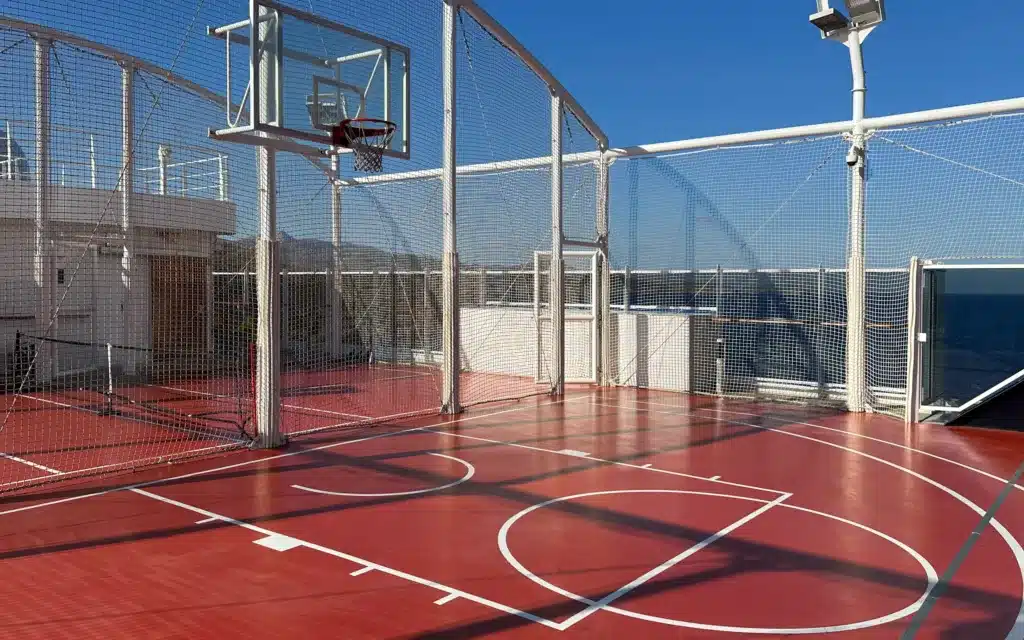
(651,72)
(672,69)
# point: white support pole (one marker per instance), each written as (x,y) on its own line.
(557,267)
(915,313)
(538,369)
(603,352)
(595,318)
(128,328)
(450,400)
(337,302)
(163,159)
(268,275)
(855,281)
(43,267)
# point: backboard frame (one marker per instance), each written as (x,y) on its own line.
(264,126)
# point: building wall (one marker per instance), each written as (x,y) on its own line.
(87,248)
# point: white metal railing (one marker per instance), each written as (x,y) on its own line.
(198,176)
(205,174)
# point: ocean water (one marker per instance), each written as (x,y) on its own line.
(977,340)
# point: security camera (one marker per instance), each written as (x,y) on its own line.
(852,156)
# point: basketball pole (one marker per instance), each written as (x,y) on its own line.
(450,400)
(265,108)
(856,352)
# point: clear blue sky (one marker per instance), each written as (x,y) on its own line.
(672,69)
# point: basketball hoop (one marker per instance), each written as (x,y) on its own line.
(368,138)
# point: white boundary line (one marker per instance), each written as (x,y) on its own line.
(296,542)
(470,470)
(29,463)
(280,456)
(1017,631)
(603,461)
(682,411)
(671,562)
(929,570)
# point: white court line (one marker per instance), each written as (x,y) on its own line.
(280,456)
(363,571)
(574,453)
(205,434)
(279,542)
(714,478)
(647,466)
(819,426)
(445,600)
(29,463)
(1017,632)
(747,632)
(367,565)
(668,564)
(207,520)
(601,460)
(470,470)
(879,440)
(220,396)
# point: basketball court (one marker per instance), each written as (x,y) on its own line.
(609,513)
(347,320)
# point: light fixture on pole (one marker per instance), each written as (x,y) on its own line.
(864,16)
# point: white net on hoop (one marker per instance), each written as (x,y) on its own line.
(368,138)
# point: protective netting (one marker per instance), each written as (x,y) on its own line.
(735,253)
(504,216)
(128,331)
(948,192)
(115,356)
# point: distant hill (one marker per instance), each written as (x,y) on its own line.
(306,254)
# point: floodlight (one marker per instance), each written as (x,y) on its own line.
(865,13)
(829,20)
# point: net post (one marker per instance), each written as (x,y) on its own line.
(450,400)
(127,203)
(915,312)
(603,352)
(45,273)
(268,273)
(855,278)
(557,267)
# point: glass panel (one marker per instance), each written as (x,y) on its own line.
(975,333)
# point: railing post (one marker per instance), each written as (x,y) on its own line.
(222,178)
(163,159)
(557,277)
(92,161)
(10,151)
(450,399)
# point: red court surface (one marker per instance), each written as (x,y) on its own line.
(611,513)
(45,436)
